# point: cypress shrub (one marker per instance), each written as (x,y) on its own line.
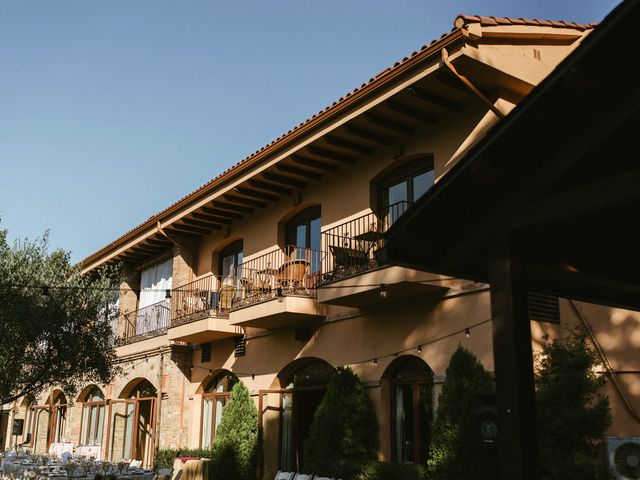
(344,434)
(236,441)
(572,416)
(454,452)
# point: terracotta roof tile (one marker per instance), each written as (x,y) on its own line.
(466,19)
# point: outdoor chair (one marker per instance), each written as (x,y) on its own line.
(227,292)
(284,476)
(291,275)
(303,476)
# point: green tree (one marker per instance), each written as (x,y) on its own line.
(344,434)
(454,452)
(236,442)
(54,324)
(572,416)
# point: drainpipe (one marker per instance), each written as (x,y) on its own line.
(603,358)
(471,86)
(156,426)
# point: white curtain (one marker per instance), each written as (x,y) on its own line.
(153,283)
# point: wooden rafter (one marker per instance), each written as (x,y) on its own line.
(329,155)
(434,99)
(232,207)
(389,124)
(369,135)
(252,193)
(199,217)
(348,145)
(221,213)
(244,201)
(301,172)
(270,187)
(284,180)
(188,229)
(308,162)
(410,112)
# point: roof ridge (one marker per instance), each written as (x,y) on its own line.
(464,19)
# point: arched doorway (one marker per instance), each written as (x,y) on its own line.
(92,419)
(215,395)
(305,383)
(411,390)
(132,420)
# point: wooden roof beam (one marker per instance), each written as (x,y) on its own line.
(346,144)
(389,124)
(250,192)
(410,112)
(434,99)
(301,172)
(329,155)
(221,213)
(284,180)
(314,163)
(244,201)
(204,217)
(232,207)
(369,135)
(178,227)
(200,223)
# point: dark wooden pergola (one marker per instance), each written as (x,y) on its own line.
(548,201)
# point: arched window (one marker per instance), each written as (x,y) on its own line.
(215,397)
(230,257)
(403,186)
(411,382)
(302,237)
(305,386)
(93,408)
(59,405)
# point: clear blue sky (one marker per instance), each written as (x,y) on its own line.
(112,110)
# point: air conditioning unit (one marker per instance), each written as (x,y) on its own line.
(624,457)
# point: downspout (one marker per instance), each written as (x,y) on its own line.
(603,358)
(156,426)
(471,86)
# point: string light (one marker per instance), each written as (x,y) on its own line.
(467,332)
(419,348)
(375,362)
(383,291)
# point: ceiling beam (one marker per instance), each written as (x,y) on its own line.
(369,135)
(244,201)
(221,213)
(156,242)
(270,187)
(314,163)
(232,207)
(346,144)
(206,221)
(283,179)
(301,172)
(389,124)
(434,99)
(250,192)
(329,155)
(188,229)
(410,112)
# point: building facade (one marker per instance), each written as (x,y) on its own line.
(268,274)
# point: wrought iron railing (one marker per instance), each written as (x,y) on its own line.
(352,245)
(205,297)
(146,322)
(283,271)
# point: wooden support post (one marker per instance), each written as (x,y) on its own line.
(515,392)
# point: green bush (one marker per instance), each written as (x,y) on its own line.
(572,416)
(166,456)
(236,442)
(392,471)
(343,437)
(454,452)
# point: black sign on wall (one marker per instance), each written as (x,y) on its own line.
(485,419)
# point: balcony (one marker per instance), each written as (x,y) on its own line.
(352,276)
(278,288)
(147,322)
(200,310)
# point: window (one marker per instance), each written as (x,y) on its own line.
(302,237)
(404,186)
(215,397)
(230,257)
(93,408)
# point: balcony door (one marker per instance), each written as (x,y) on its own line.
(403,186)
(303,239)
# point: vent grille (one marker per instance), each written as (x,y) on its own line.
(544,308)
(205,353)
(241,346)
